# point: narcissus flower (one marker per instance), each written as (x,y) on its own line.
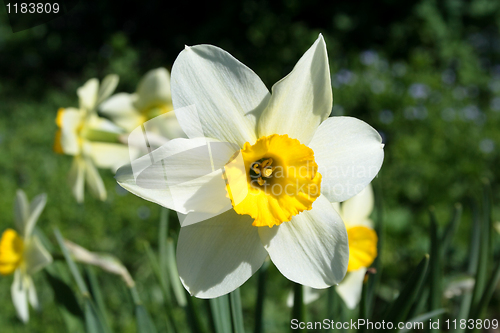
(151,99)
(295,161)
(355,213)
(92,140)
(22,253)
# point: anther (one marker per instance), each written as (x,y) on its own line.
(260,169)
(267,172)
(256,167)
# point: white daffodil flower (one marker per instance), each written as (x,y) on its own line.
(151,99)
(355,213)
(93,141)
(22,253)
(296,161)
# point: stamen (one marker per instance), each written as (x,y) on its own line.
(262,168)
(268,171)
(256,167)
(266,162)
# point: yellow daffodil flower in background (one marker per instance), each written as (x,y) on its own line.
(296,162)
(22,253)
(355,213)
(92,140)
(151,99)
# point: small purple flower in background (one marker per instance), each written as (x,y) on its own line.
(143,212)
(415,112)
(369,57)
(486,146)
(448,76)
(495,104)
(419,91)
(470,112)
(386,116)
(495,71)
(494,85)
(344,76)
(377,86)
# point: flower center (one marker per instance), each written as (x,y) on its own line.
(282,180)
(262,170)
(155,110)
(11,252)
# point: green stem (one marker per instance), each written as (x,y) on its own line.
(236,311)
(259,304)
(298,302)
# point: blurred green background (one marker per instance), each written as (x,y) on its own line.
(426,74)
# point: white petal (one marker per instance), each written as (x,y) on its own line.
(302,99)
(218,255)
(166,126)
(35,256)
(129,121)
(118,104)
(19,292)
(356,210)
(32,296)
(125,178)
(350,289)
(69,120)
(338,209)
(102,124)
(154,89)
(349,154)
(36,208)
(108,85)
(21,211)
(309,296)
(312,248)
(228,95)
(184,175)
(109,155)
(120,109)
(94,180)
(76,178)
(87,94)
